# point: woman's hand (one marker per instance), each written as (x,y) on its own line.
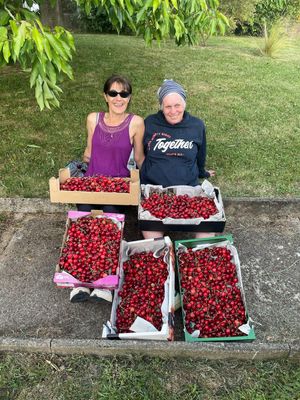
(212,172)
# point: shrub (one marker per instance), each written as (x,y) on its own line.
(276,40)
(238,11)
(97,22)
(267,12)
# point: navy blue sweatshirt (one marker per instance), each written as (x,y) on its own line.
(175,154)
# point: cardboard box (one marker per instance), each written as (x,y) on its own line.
(215,223)
(65,280)
(226,241)
(80,197)
(144,329)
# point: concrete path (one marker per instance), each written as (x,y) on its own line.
(37,316)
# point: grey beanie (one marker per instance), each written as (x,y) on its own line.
(170,86)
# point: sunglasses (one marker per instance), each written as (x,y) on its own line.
(114,93)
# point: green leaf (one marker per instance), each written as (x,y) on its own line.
(147,35)
(56,45)
(222,27)
(155,5)
(41,65)
(3,33)
(67,69)
(53,86)
(34,73)
(57,61)
(87,7)
(39,93)
(223,18)
(70,40)
(37,37)
(51,72)
(46,102)
(175,4)
(55,102)
(19,39)
(4,17)
(213,27)
(40,25)
(6,51)
(13,26)
(66,48)
(143,10)
(29,15)
(129,7)
(203,5)
(48,94)
(47,48)
(179,27)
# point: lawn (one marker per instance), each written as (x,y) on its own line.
(35,377)
(250,104)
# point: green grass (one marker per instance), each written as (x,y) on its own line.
(25,376)
(250,104)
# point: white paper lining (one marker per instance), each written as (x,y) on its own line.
(205,190)
(142,328)
(245,328)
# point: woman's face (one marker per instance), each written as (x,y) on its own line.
(173,107)
(117,104)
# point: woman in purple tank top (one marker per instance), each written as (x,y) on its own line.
(111,137)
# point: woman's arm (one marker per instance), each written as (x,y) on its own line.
(90,127)
(138,129)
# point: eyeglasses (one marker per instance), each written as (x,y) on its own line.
(114,93)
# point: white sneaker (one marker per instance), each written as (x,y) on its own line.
(101,294)
(79,294)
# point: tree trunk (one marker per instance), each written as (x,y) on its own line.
(52,16)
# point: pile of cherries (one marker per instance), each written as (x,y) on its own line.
(91,250)
(97,183)
(212,301)
(142,292)
(162,205)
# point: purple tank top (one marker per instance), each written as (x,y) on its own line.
(111,149)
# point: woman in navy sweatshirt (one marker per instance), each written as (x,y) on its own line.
(174,144)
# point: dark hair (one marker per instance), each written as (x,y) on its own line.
(119,79)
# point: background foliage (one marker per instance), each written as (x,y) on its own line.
(269,12)
(46,54)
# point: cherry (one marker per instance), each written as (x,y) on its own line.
(142,291)
(91,249)
(162,205)
(212,304)
(96,183)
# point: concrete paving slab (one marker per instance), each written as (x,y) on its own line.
(266,234)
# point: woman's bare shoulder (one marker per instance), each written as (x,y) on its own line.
(137,120)
(91,118)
